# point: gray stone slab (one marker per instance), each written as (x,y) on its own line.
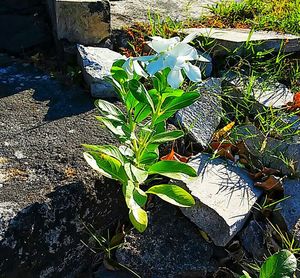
(203,117)
(96,63)
(224,194)
(127,12)
(170,247)
(234,38)
(267,93)
(271,152)
(84,21)
(290,208)
(47,191)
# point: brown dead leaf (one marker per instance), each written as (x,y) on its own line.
(175,156)
(271,183)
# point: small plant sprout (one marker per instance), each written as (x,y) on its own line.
(142,127)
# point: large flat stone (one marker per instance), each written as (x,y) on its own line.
(290,208)
(96,63)
(83,21)
(265,92)
(47,191)
(224,195)
(234,38)
(127,12)
(170,247)
(202,118)
(277,154)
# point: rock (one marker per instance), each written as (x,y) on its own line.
(125,13)
(170,247)
(47,191)
(290,208)
(28,28)
(202,117)
(206,67)
(83,21)
(96,63)
(271,152)
(266,93)
(231,39)
(253,239)
(224,197)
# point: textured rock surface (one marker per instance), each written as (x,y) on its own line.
(203,117)
(224,197)
(47,191)
(266,93)
(170,247)
(253,239)
(290,208)
(129,11)
(234,38)
(84,21)
(23,25)
(271,152)
(96,63)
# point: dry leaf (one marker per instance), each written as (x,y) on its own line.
(223,131)
(271,183)
(175,156)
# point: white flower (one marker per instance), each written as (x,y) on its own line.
(175,55)
(132,65)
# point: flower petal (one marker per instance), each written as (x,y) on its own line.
(192,72)
(128,67)
(175,78)
(138,69)
(183,49)
(161,45)
(190,37)
(155,66)
(145,58)
(174,62)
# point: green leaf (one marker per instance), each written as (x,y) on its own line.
(130,101)
(118,128)
(282,264)
(118,73)
(135,174)
(183,101)
(140,196)
(108,108)
(128,189)
(138,218)
(126,151)
(170,92)
(172,169)
(148,158)
(172,194)
(246,275)
(167,136)
(140,93)
(141,112)
(165,115)
(106,149)
(106,165)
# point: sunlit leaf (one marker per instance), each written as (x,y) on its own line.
(106,165)
(282,264)
(172,194)
(106,149)
(167,136)
(172,169)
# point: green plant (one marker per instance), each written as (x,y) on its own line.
(142,127)
(282,264)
